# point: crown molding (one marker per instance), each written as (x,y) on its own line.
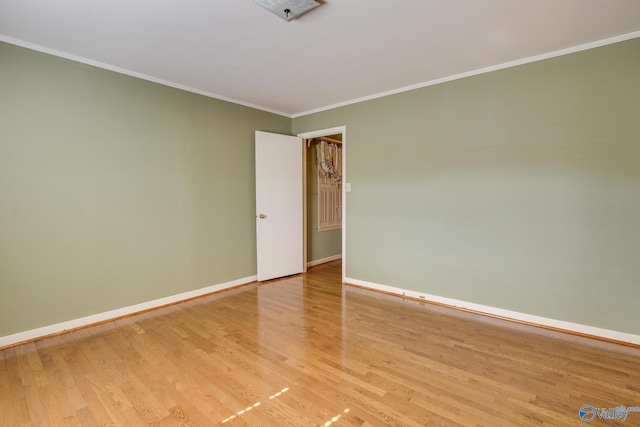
(489,69)
(135,74)
(502,66)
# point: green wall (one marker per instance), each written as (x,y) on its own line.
(320,244)
(517,189)
(116,191)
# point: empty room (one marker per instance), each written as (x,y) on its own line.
(320,213)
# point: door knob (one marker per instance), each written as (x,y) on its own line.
(262,216)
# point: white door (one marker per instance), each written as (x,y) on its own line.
(279,205)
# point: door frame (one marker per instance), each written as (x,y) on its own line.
(315,134)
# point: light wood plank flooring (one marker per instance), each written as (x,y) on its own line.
(305,351)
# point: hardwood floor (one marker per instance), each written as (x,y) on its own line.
(305,351)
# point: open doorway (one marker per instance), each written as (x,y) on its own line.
(324,243)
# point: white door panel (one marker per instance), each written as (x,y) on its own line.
(279,205)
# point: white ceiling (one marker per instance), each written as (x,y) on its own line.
(342,51)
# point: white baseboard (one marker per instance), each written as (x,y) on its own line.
(555,324)
(324,260)
(114,314)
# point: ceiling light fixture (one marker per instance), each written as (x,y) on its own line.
(288,9)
